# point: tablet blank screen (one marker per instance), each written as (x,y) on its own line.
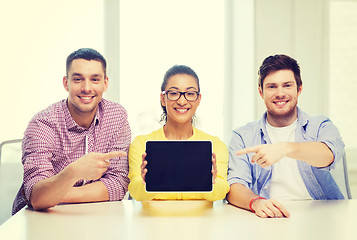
(179,166)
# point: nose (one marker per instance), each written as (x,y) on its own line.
(182,100)
(280,93)
(86,86)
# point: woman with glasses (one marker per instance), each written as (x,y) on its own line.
(180,96)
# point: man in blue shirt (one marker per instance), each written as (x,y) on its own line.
(287,154)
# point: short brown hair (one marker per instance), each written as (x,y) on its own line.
(276,63)
(87,54)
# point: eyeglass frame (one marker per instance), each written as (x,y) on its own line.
(181,93)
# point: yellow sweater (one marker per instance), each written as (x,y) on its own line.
(137,188)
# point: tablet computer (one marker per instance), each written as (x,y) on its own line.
(179,166)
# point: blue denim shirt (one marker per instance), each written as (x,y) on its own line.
(319,182)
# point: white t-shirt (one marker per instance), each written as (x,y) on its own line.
(286,182)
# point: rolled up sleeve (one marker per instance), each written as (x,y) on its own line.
(329,135)
(239,167)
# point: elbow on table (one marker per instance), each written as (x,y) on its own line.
(39,204)
(230,197)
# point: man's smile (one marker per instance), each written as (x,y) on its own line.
(86,99)
(281,103)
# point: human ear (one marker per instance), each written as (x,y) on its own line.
(199,99)
(65,83)
(260,92)
(162,100)
(106,83)
(299,90)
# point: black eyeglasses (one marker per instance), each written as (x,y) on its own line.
(175,95)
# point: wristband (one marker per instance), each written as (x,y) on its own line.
(251,202)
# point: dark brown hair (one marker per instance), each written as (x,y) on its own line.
(87,54)
(276,63)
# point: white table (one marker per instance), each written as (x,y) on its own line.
(130,219)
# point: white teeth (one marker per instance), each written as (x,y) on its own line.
(280,103)
(86,98)
(181,110)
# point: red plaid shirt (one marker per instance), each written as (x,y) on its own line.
(53,140)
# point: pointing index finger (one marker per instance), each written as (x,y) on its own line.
(247,150)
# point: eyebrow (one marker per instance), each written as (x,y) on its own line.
(76,74)
(273,83)
(289,82)
(93,75)
(175,88)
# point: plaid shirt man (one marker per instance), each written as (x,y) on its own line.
(53,140)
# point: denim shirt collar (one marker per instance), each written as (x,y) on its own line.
(302,121)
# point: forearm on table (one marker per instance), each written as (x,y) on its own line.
(240,196)
(92,192)
(317,154)
(49,192)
